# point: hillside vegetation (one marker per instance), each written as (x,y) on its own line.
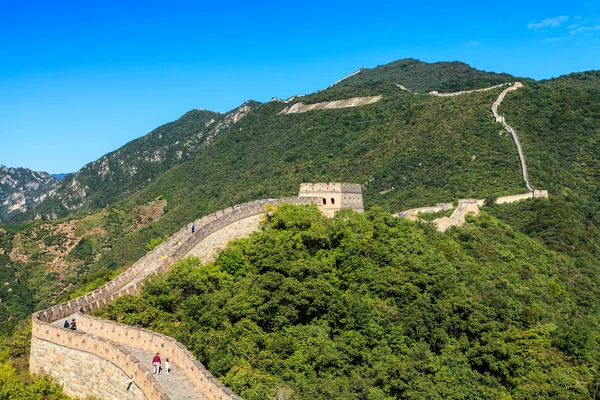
(360,307)
(421,76)
(45,262)
(559,125)
(406,150)
(368,306)
(124,171)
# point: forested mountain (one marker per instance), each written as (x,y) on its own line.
(559,126)
(128,169)
(22,189)
(406,150)
(505,306)
(420,76)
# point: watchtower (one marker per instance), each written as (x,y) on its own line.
(331,197)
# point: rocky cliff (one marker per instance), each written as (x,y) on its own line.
(22,189)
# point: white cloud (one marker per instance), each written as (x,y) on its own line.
(572,26)
(551,22)
(552,39)
(473,43)
(585,29)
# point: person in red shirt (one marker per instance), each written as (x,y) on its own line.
(156,363)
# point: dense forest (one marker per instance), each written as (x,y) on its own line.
(368,306)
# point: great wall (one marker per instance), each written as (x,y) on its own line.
(346,103)
(109,360)
(471,206)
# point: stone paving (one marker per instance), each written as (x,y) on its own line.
(176,384)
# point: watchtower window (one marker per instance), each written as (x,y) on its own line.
(324,201)
(332,200)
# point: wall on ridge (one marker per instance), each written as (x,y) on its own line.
(161,258)
(436,93)
(94,352)
(208,249)
(412,214)
(513,198)
(465,206)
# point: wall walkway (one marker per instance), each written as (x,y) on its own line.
(102,358)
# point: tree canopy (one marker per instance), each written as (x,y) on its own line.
(368,306)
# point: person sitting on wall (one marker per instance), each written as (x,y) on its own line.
(66,324)
(73,325)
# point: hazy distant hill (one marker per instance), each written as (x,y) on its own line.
(60,177)
(22,189)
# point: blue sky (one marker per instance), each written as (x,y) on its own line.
(79,79)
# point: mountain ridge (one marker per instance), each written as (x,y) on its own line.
(123,171)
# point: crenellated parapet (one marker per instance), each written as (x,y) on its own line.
(96,359)
(333,197)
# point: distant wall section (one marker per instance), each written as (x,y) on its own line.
(300,107)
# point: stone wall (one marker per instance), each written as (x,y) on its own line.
(465,207)
(513,198)
(83,374)
(98,357)
(208,249)
(500,119)
(436,93)
(96,352)
(413,213)
(346,103)
(155,342)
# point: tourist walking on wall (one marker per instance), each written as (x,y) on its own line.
(73,324)
(193,227)
(156,363)
(66,325)
(167,366)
